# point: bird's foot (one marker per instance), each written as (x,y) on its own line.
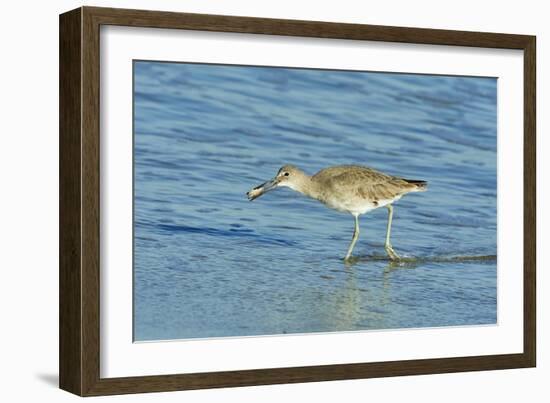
(391,253)
(350,260)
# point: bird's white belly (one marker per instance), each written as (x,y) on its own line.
(357,207)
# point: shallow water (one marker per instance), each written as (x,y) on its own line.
(209,263)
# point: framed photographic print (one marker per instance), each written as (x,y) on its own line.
(249,201)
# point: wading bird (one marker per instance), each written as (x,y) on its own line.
(352,189)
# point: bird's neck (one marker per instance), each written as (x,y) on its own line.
(307,186)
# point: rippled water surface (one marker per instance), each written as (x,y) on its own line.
(209,263)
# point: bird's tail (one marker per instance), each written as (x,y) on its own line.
(419,186)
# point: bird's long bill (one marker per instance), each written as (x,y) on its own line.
(261,189)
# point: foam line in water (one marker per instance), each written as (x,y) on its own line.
(433,259)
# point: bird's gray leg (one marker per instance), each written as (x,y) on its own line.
(354,238)
(389,250)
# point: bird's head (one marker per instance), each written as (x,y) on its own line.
(287,176)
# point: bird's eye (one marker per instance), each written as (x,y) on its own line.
(286,174)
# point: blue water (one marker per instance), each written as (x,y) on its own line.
(209,263)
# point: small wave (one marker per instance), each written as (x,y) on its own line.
(231,232)
(431,259)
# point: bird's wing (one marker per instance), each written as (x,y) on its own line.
(368,184)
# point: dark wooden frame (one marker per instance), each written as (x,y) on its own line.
(79,201)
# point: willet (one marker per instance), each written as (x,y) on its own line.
(349,188)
